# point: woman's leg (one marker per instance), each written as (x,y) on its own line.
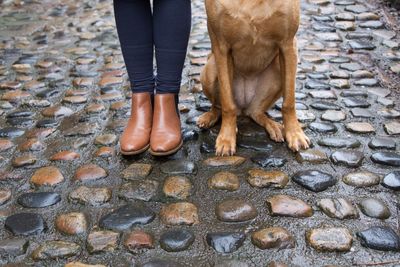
(134,23)
(171,30)
(171,27)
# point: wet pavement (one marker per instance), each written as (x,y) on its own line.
(68,198)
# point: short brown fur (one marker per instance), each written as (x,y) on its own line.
(253,63)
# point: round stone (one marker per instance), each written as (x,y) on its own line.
(138,239)
(39,199)
(224,161)
(333,116)
(177,187)
(24,160)
(380,238)
(5,195)
(268,161)
(338,208)
(260,178)
(161,263)
(80,264)
(273,237)
(105,139)
(374,208)
(339,142)
(330,239)
(102,241)
(65,156)
(235,210)
(47,176)
(5,144)
(348,158)
(287,206)
(387,158)
(91,196)
(182,213)
(137,171)
(139,189)
(89,172)
(392,181)
(127,216)
(225,242)
(382,143)
(55,249)
(323,127)
(312,156)
(25,224)
(176,240)
(314,180)
(13,247)
(224,181)
(73,223)
(360,127)
(178,167)
(361,179)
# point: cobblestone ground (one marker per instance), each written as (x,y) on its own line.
(68,198)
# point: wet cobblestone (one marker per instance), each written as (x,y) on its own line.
(68,198)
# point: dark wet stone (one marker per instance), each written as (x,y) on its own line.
(13,247)
(268,161)
(161,263)
(317,85)
(330,239)
(386,158)
(176,167)
(380,238)
(362,113)
(356,103)
(21,122)
(392,181)
(39,199)
(323,127)
(25,224)
(141,190)
(354,93)
(48,93)
(361,45)
(176,240)
(225,242)
(207,146)
(339,142)
(20,114)
(338,208)
(47,123)
(190,135)
(256,145)
(361,179)
(11,132)
(273,237)
(348,158)
(235,210)
(314,180)
(127,216)
(374,208)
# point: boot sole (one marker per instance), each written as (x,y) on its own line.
(136,152)
(166,153)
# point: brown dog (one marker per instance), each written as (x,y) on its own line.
(253,63)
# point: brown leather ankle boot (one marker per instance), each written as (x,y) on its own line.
(136,137)
(166,137)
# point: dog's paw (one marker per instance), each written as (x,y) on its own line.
(207,120)
(225,146)
(275,131)
(297,140)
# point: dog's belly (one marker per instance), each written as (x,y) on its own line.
(250,63)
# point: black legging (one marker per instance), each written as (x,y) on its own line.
(167,29)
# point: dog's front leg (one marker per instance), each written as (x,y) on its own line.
(226,140)
(294,134)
